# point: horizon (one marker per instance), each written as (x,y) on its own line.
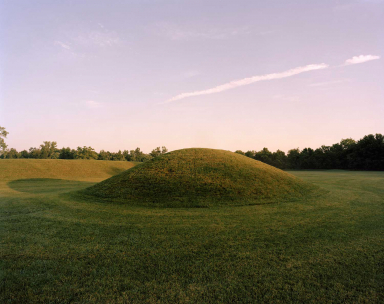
(58,147)
(217,74)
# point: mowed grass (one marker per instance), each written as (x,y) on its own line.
(199,177)
(325,249)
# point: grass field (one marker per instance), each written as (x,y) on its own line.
(54,249)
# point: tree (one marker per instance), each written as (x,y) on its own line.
(118,156)
(3,134)
(240,152)
(85,153)
(279,159)
(265,156)
(347,143)
(294,161)
(308,159)
(66,153)
(250,153)
(321,156)
(157,152)
(24,154)
(127,155)
(49,150)
(34,153)
(164,150)
(368,154)
(336,156)
(138,156)
(104,155)
(12,153)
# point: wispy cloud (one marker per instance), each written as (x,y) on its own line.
(84,40)
(99,38)
(93,104)
(361,59)
(83,43)
(63,45)
(191,73)
(246,81)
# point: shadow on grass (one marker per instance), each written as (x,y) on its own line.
(47,185)
(115,170)
(189,202)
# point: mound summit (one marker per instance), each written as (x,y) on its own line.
(200,177)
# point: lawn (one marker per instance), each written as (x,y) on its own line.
(54,249)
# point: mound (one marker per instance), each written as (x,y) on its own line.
(11,169)
(200,177)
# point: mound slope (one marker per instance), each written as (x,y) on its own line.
(11,169)
(200,177)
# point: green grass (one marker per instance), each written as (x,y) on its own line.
(95,170)
(200,177)
(325,249)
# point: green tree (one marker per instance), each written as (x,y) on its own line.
(307,159)
(336,155)
(118,156)
(12,153)
(127,155)
(49,150)
(250,153)
(67,153)
(265,156)
(347,147)
(294,160)
(3,134)
(347,143)
(157,151)
(279,159)
(368,153)
(104,155)
(136,155)
(34,153)
(85,153)
(24,154)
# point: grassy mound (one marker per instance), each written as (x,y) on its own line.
(11,169)
(200,177)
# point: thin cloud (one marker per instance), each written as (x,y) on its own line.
(361,59)
(100,38)
(246,81)
(63,45)
(191,73)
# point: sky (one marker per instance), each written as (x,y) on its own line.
(223,74)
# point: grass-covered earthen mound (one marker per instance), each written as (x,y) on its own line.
(200,177)
(68,169)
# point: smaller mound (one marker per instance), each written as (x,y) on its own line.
(200,177)
(13,169)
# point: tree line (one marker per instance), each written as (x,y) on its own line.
(49,150)
(364,154)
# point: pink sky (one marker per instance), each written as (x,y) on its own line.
(217,74)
